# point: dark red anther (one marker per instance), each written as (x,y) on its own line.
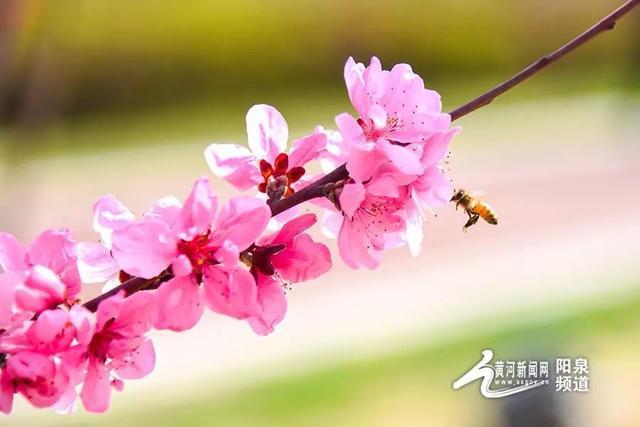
(200,251)
(278,178)
(295,173)
(265,169)
(281,164)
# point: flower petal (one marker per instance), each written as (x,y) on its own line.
(139,364)
(306,149)
(267,132)
(137,314)
(12,253)
(242,220)
(303,260)
(7,390)
(144,248)
(351,244)
(233,163)
(231,293)
(433,189)
(109,214)
(351,198)
(273,306)
(180,304)
(42,289)
(52,332)
(84,322)
(354,79)
(403,159)
(199,209)
(349,127)
(95,263)
(363,163)
(9,282)
(437,147)
(291,229)
(181,266)
(96,391)
(415,229)
(166,209)
(56,250)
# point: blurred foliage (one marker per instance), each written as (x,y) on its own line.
(76,56)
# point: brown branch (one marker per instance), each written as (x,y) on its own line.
(607,23)
(311,191)
(317,189)
(129,287)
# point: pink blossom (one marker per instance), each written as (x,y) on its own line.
(429,190)
(114,345)
(51,333)
(299,258)
(42,275)
(286,256)
(372,219)
(397,117)
(31,356)
(201,248)
(38,377)
(265,164)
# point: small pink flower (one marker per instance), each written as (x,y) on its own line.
(265,163)
(200,247)
(397,117)
(286,256)
(373,220)
(299,258)
(41,275)
(36,347)
(38,377)
(115,344)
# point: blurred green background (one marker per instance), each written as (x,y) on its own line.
(195,66)
(102,96)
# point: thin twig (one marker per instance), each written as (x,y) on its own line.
(130,286)
(311,191)
(607,23)
(316,189)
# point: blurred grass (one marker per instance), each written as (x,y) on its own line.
(412,387)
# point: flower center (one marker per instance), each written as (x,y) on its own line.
(258,258)
(101,341)
(199,251)
(372,133)
(278,178)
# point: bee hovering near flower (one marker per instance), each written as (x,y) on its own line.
(474,207)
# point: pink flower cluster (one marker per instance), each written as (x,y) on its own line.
(235,260)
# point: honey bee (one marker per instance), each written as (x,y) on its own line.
(474,207)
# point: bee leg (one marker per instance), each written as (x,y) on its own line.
(473,218)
